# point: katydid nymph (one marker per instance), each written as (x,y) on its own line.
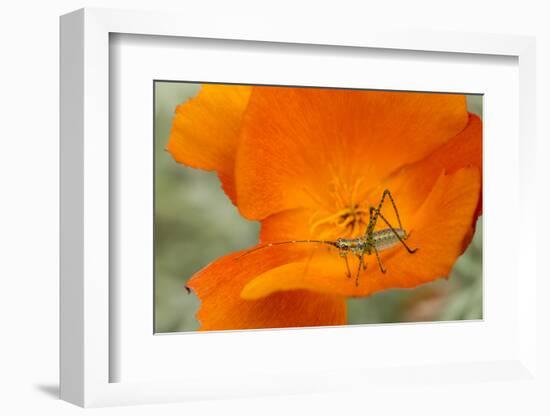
(372,242)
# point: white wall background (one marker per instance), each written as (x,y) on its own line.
(29,202)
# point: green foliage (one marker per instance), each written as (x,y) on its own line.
(195,222)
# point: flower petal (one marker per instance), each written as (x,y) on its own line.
(438,230)
(298,139)
(205,131)
(218,286)
(288,225)
(411,185)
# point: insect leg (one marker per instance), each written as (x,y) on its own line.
(374,217)
(345,256)
(389,195)
(410,250)
(361,263)
(379,262)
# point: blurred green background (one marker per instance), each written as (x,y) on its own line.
(195,223)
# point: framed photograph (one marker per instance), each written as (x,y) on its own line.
(338,201)
(259,214)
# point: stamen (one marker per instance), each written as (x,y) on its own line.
(350,219)
(355,190)
(350,209)
(317,200)
(329,219)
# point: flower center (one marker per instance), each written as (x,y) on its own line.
(348,218)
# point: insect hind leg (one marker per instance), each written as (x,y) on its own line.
(360,266)
(388,194)
(375,213)
(410,250)
(345,257)
(382,269)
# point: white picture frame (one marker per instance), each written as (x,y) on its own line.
(87,302)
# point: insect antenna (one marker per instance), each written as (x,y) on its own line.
(246,253)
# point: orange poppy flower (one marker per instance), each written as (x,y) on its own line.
(309,163)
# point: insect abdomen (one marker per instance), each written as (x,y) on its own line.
(386,238)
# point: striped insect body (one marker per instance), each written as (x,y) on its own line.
(387,238)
